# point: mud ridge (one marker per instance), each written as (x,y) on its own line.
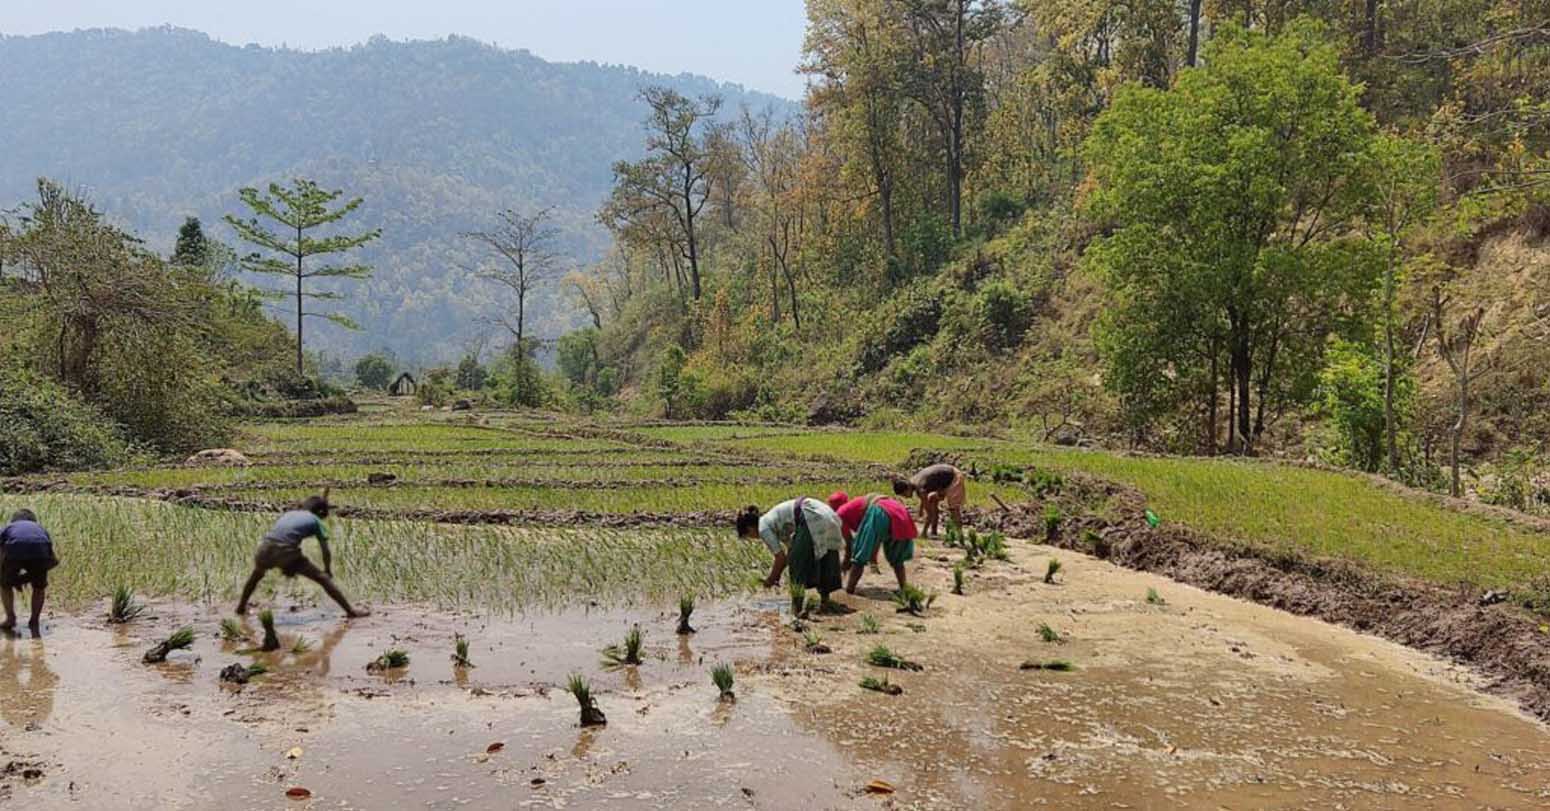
(1502,642)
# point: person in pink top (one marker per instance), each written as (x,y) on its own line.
(871,523)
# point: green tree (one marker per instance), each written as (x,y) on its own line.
(300,209)
(577,357)
(192,249)
(1230,202)
(374,371)
(470,373)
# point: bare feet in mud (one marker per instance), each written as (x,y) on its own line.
(358,613)
(833,609)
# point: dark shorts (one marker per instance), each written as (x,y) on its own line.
(288,558)
(17,573)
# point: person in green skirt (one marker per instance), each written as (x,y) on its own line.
(805,537)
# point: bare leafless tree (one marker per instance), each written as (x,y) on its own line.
(523,245)
(1456,348)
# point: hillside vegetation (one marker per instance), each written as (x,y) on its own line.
(161,124)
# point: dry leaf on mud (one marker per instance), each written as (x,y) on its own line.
(294,754)
(879,787)
(298,793)
(494,747)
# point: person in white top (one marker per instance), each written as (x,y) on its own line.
(805,536)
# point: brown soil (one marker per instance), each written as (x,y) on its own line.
(1505,643)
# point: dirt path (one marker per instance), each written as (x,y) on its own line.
(1201,702)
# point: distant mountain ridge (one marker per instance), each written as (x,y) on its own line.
(437,135)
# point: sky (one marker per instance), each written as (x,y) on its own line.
(756,43)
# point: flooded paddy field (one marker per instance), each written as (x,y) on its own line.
(1106,688)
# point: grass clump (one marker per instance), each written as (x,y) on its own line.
(393,659)
(685,610)
(881,656)
(1051,569)
(232,631)
(958,579)
(578,687)
(882,685)
(180,639)
(1153,598)
(1054,665)
(1048,634)
(124,607)
(1051,522)
(721,675)
(460,652)
(869,625)
(912,600)
(628,653)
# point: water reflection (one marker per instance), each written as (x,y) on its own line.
(26,683)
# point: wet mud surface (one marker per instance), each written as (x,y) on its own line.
(1199,701)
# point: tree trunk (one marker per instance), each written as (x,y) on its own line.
(1456,487)
(1242,373)
(1211,409)
(1194,33)
(1370,35)
(1390,430)
(301,368)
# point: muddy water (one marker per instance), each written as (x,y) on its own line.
(1200,702)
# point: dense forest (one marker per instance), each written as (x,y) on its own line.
(1307,230)
(437,137)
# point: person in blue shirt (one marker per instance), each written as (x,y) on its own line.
(281,549)
(26,555)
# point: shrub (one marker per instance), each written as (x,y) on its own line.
(914,319)
(1005,313)
(997,209)
(470,374)
(374,372)
(42,427)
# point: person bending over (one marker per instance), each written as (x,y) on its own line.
(281,549)
(935,485)
(871,524)
(805,536)
(26,555)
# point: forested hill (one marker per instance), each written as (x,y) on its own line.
(437,136)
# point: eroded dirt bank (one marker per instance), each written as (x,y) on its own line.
(1199,701)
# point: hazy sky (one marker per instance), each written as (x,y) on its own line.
(756,43)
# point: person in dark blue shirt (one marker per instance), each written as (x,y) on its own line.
(281,549)
(26,555)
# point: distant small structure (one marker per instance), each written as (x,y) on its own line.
(404,386)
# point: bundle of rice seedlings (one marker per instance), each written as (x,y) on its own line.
(591,716)
(1048,634)
(1056,665)
(124,607)
(1153,598)
(180,639)
(241,674)
(958,579)
(460,652)
(881,685)
(300,646)
(881,656)
(628,653)
(1051,522)
(798,593)
(394,659)
(814,642)
(685,610)
(1051,569)
(721,676)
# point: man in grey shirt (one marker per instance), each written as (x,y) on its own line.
(281,549)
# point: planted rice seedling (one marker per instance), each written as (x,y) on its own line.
(685,610)
(393,659)
(1153,598)
(912,600)
(721,675)
(1051,569)
(578,687)
(813,642)
(460,652)
(881,656)
(240,674)
(627,654)
(1051,522)
(798,594)
(868,625)
(881,686)
(958,579)
(271,638)
(180,639)
(300,646)
(1049,634)
(232,631)
(124,607)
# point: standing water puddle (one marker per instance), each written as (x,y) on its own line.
(1200,702)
